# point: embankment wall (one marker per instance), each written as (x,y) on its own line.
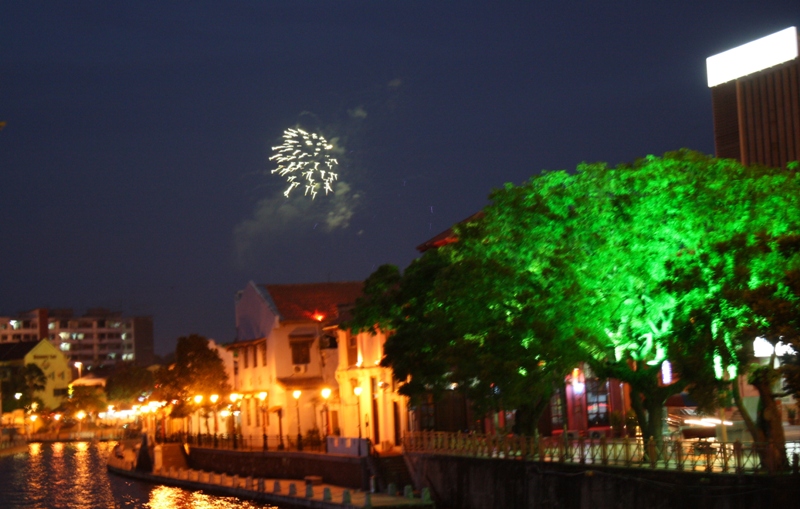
(479,483)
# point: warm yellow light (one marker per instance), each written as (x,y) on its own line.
(234,397)
(262,396)
(80,415)
(78,364)
(57,417)
(296,394)
(198,399)
(225,413)
(357,390)
(33,417)
(214,398)
(326,393)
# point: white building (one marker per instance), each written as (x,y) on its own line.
(288,349)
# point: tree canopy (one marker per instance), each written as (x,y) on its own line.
(198,370)
(576,266)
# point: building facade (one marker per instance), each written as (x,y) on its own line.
(49,359)
(755,93)
(97,338)
(296,373)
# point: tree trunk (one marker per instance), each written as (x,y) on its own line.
(768,421)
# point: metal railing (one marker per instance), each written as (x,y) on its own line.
(250,442)
(682,455)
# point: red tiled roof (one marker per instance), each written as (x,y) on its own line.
(313,301)
(447,236)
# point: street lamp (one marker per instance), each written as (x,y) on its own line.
(79,365)
(357,392)
(263,397)
(197,400)
(326,393)
(234,397)
(214,398)
(296,395)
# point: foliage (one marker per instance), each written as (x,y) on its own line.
(198,370)
(26,380)
(90,399)
(611,265)
(128,383)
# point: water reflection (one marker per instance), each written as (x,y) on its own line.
(74,475)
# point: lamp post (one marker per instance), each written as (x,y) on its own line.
(280,429)
(326,393)
(214,398)
(296,394)
(263,397)
(357,392)
(197,400)
(79,365)
(234,397)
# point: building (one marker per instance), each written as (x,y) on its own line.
(51,361)
(755,93)
(295,371)
(98,338)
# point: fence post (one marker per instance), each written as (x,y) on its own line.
(651,452)
(626,445)
(679,453)
(604,450)
(737,456)
(542,449)
(582,450)
(725,457)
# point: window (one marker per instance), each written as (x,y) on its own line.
(557,410)
(263,353)
(245,352)
(301,352)
(597,402)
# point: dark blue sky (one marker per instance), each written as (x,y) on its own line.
(135,171)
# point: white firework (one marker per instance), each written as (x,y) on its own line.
(305,159)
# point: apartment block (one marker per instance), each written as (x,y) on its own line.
(97,338)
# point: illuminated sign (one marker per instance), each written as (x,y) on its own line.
(752,57)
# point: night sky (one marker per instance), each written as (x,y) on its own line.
(135,171)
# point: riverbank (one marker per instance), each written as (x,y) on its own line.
(281,492)
(9,447)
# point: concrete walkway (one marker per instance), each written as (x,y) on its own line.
(282,492)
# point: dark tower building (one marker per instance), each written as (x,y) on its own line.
(755,93)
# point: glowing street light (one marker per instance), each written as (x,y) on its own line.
(326,393)
(296,395)
(214,398)
(79,365)
(357,391)
(262,396)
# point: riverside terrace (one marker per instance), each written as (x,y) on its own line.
(679,455)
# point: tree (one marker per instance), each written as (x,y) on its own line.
(128,383)
(748,288)
(580,262)
(26,381)
(198,370)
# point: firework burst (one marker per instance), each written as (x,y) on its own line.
(305,159)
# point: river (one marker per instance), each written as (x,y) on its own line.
(73,475)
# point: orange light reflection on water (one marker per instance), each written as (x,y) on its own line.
(167,497)
(35,449)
